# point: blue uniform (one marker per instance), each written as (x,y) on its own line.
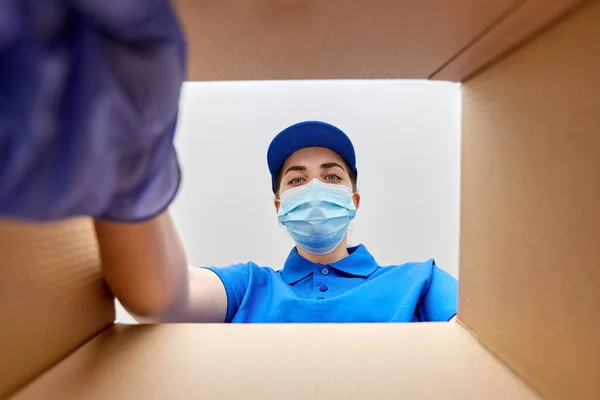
(354,289)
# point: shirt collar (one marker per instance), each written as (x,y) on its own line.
(359,262)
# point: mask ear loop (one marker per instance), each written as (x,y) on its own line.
(351,237)
(277,199)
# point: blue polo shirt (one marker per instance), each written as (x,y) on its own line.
(354,289)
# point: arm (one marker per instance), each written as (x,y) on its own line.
(146,268)
(439,302)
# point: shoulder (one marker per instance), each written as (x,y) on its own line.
(248,272)
(413,269)
(238,278)
(249,268)
(426,272)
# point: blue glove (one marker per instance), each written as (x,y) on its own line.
(89,94)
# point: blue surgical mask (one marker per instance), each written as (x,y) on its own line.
(317,215)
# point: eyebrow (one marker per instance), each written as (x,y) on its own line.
(332,165)
(323,166)
(295,168)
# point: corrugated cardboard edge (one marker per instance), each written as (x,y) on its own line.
(330,39)
(53,296)
(266,360)
(516,27)
(483,326)
(506,361)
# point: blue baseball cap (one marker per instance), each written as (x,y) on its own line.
(308,134)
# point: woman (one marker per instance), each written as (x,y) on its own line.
(314,176)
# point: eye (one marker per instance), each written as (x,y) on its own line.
(296,181)
(332,178)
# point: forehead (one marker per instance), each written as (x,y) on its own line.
(312,155)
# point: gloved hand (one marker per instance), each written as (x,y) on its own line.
(89,94)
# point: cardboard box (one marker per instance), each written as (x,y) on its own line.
(529,307)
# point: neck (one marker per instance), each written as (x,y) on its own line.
(336,255)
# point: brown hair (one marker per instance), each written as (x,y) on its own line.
(349,170)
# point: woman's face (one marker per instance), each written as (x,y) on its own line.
(314,162)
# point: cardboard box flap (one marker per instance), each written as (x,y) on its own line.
(530,215)
(523,22)
(330,39)
(391,361)
(53,298)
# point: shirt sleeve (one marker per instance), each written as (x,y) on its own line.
(235,279)
(439,302)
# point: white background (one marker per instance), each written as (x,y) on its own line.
(407,140)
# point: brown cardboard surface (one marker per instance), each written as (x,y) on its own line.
(52,296)
(326,39)
(527,19)
(530,237)
(359,361)
(530,246)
